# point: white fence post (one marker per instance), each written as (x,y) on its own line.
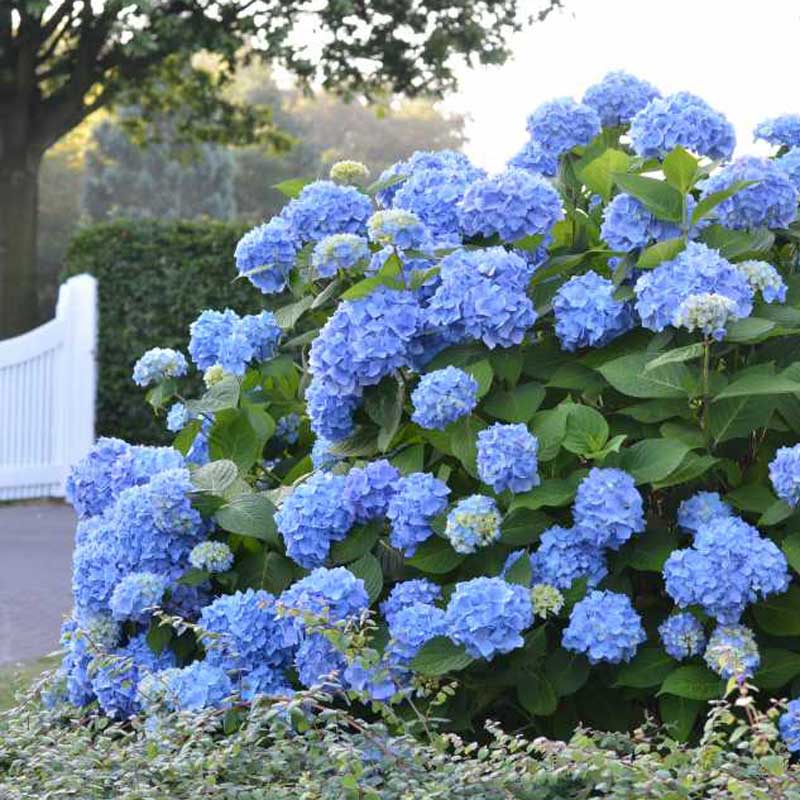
(48,380)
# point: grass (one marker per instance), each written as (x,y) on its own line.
(17,677)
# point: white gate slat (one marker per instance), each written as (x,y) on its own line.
(47,396)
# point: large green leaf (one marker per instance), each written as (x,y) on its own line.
(537,695)
(411,459)
(598,174)
(755,384)
(520,572)
(220,396)
(566,671)
(369,570)
(679,715)
(652,460)
(654,411)
(250,515)
(292,187)
(648,668)
(660,252)
(691,468)
(356,543)
(436,557)
(552,493)
(778,667)
(791,549)
(264,569)
(234,436)
(649,551)
(586,430)
(694,683)
(677,356)
(483,374)
(778,613)
(440,655)
(659,197)
(628,375)
(522,527)
(287,316)
(463,441)
(215,477)
(738,417)
(550,427)
(517,405)
(680,169)
(748,330)
(385,408)
(711,201)
(735,245)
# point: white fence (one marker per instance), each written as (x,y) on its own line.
(47,396)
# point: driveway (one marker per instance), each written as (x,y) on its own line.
(35,565)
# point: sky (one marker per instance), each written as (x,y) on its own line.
(741,56)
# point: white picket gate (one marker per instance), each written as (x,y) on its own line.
(47,396)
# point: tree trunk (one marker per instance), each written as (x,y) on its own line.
(19,185)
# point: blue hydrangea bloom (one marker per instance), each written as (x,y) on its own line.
(322,457)
(604,626)
(419,498)
(135,593)
(728,566)
(783,130)
(115,677)
(287,428)
(488,616)
(407,593)
(96,480)
(732,652)
(618,97)
(789,165)
(410,628)
(433,195)
(469,305)
(377,682)
(341,251)
(608,508)
(564,556)
(177,417)
(312,517)
(700,509)
(368,490)
(508,458)
(771,202)
(534,158)
(225,338)
(193,688)
(514,204)
(364,340)
(707,312)
(263,680)
(243,631)
(628,225)
(695,270)
(150,461)
(561,124)
(157,365)
(398,228)
(473,523)
(330,413)
(333,594)
(586,313)
(784,473)
(211,557)
(684,120)
(789,726)
(682,636)
(324,208)
(198,452)
(442,397)
(318,662)
(502,267)
(764,278)
(265,255)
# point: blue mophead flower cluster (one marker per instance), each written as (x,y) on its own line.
(783,130)
(507,458)
(784,473)
(340,251)
(157,365)
(561,124)
(265,255)
(442,397)
(682,636)
(420,497)
(618,97)
(473,523)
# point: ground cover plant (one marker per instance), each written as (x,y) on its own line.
(523,446)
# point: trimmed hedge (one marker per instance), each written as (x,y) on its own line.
(154,279)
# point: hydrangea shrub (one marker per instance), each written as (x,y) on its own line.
(533,435)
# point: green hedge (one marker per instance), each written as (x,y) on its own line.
(154,278)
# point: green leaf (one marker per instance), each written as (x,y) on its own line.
(537,695)
(648,668)
(507,364)
(185,437)
(676,356)
(369,570)
(659,197)
(680,169)
(694,683)
(627,375)
(517,405)
(440,655)
(193,577)
(778,668)
(411,459)
(356,543)
(250,515)
(566,671)
(778,613)
(652,460)
(691,468)
(162,393)
(755,384)
(597,175)
(363,288)
(748,330)
(385,407)
(649,551)
(550,427)
(522,527)
(233,437)
(288,315)
(738,417)
(755,498)
(658,253)
(483,374)
(362,443)
(159,635)
(216,477)
(735,245)
(791,549)
(291,188)
(679,715)
(463,441)
(654,411)
(552,492)
(436,557)
(264,569)
(520,571)
(380,185)
(219,397)
(586,430)
(710,202)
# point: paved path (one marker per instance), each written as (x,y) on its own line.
(35,565)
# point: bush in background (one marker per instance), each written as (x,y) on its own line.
(154,279)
